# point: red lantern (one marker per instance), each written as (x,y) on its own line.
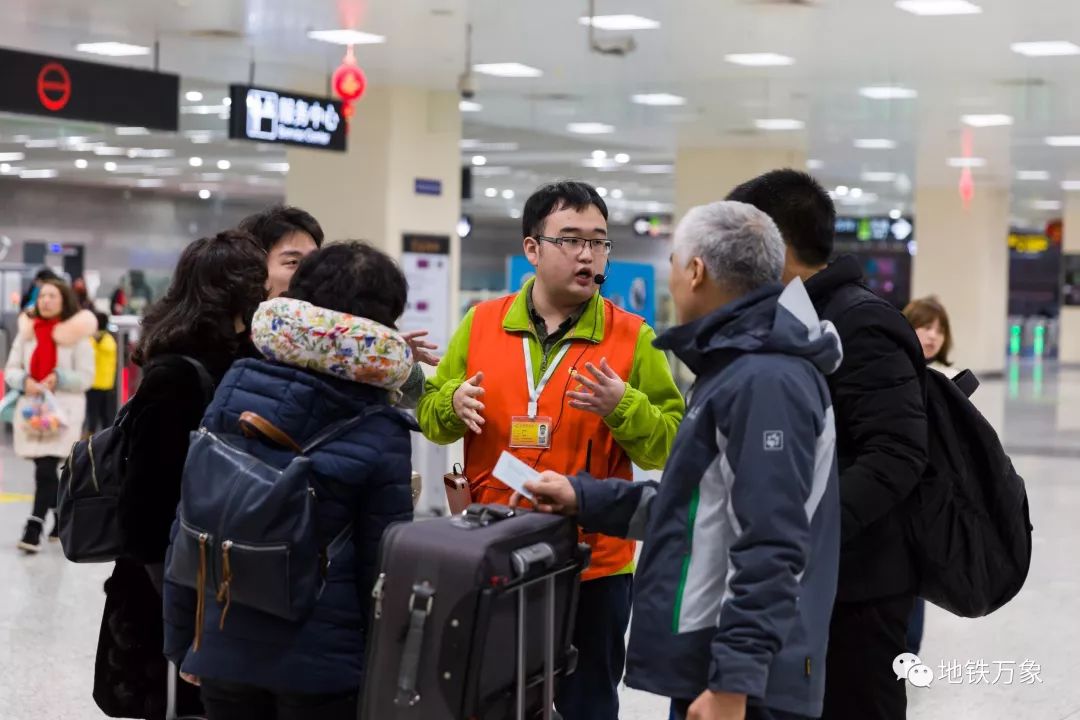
(349,83)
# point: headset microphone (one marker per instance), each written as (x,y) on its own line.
(601,279)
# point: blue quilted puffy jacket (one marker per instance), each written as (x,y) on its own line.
(364,479)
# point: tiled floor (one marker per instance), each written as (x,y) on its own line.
(50,609)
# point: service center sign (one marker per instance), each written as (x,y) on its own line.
(277,116)
(76,90)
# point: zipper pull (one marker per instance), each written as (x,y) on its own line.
(377,594)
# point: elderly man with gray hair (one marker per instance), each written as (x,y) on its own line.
(742,534)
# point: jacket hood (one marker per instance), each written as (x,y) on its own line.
(72,331)
(773,319)
(297,333)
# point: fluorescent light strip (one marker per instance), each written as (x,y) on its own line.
(939,8)
(655,169)
(12,156)
(132,131)
(1032,175)
(878,177)
(658,99)
(1063,141)
(875,144)
(759,59)
(204,109)
(469,106)
(1047,48)
(1070,185)
(967,162)
(985,121)
(38,174)
(590,128)
(887,92)
(620,22)
(779,124)
(508,70)
(1046,204)
(346,37)
(113,49)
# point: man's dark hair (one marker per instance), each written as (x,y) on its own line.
(277,221)
(102,321)
(217,280)
(352,277)
(45,274)
(554,197)
(799,206)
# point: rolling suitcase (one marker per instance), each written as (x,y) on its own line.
(473,617)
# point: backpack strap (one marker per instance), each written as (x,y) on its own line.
(967,382)
(336,430)
(205,380)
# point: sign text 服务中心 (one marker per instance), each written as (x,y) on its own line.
(277,116)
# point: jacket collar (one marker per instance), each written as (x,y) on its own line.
(842,271)
(589,327)
(72,331)
(297,333)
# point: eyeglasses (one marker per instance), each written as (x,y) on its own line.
(601,246)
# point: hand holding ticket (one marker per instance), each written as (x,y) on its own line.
(515,474)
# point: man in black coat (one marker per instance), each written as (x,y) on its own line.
(880,403)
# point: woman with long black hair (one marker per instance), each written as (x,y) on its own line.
(189,340)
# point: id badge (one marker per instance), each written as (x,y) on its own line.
(527,432)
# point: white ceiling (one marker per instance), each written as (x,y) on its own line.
(958,65)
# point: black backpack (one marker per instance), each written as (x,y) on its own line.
(968,523)
(92,482)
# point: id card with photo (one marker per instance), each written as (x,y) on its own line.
(527,432)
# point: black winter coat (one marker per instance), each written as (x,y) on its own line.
(130,669)
(879,398)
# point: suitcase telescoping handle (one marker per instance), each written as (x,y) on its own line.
(478,515)
(527,561)
(420,603)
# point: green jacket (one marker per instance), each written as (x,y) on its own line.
(644,423)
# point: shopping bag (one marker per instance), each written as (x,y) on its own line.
(42,417)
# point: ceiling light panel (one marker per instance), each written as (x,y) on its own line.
(779,124)
(620,22)
(990,120)
(939,8)
(1032,175)
(967,162)
(878,177)
(888,92)
(346,37)
(658,99)
(469,106)
(590,128)
(875,144)
(113,49)
(1046,48)
(1063,141)
(760,59)
(508,70)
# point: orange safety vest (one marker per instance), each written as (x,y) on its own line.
(500,355)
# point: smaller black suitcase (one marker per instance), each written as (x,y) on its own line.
(473,616)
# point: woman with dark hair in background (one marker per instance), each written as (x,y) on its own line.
(331,354)
(51,352)
(189,339)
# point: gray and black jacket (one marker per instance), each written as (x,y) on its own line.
(738,571)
